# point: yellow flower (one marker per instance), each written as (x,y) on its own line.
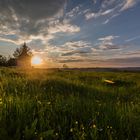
(94,126)
(107,126)
(48,103)
(71,130)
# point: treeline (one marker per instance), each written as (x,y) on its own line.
(22,52)
(7,62)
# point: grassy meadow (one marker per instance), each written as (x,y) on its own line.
(69,105)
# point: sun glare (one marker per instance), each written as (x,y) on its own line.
(36,60)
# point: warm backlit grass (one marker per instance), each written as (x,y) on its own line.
(69,105)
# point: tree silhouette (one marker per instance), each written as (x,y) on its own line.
(23,56)
(65,66)
(22,51)
(3,61)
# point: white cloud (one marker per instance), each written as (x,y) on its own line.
(63,27)
(110,9)
(90,15)
(74,12)
(133,38)
(108,38)
(128,4)
(106,43)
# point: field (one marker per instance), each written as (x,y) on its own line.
(69,105)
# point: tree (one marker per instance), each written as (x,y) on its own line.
(65,66)
(23,56)
(11,62)
(22,51)
(3,61)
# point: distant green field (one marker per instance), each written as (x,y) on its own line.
(69,105)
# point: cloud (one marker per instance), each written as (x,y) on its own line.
(29,16)
(108,38)
(109,9)
(128,60)
(74,12)
(106,43)
(63,27)
(32,9)
(135,53)
(133,38)
(90,15)
(128,4)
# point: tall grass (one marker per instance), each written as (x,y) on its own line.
(69,105)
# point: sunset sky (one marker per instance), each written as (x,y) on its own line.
(79,33)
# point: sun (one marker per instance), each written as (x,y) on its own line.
(36,60)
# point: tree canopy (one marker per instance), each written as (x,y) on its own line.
(22,51)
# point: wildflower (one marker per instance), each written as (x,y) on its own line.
(48,103)
(39,102)
(71,130)
(76,122)
(94,126)
(56,134)
(82,127)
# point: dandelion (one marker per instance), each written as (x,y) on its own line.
(76,122)
(71,130)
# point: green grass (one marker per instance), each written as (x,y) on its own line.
(69,105)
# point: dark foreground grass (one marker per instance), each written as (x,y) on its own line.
(69,105)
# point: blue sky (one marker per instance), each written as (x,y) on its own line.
(79,33)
